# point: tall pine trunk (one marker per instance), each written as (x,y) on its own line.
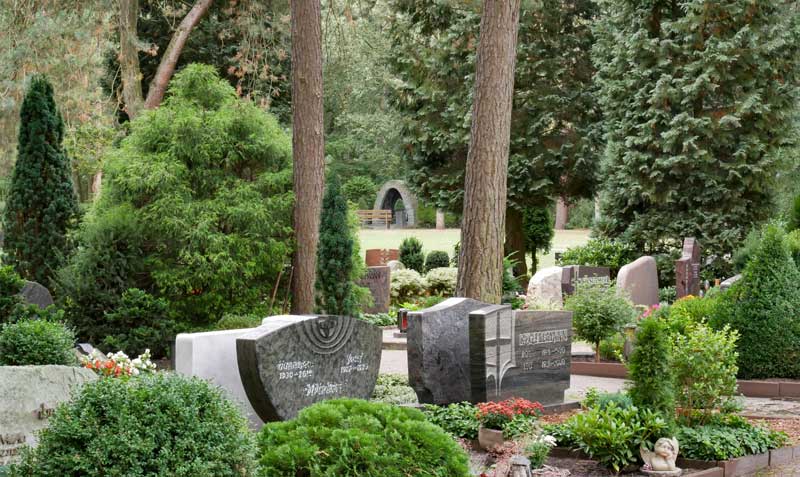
(515,242)
(307,148)
(480,272)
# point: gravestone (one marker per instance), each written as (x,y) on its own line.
(28,397)
(544,289)
(687,269)
(291,362)
(573,273)
(730,281)
(378,280)
(395,265)
(639,280)
(36,294)
(212,356)
(525,354)
(378,257)
(438,351)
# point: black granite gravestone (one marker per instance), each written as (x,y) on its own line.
(523,354)
(378,281)
(572,273)
(291,362)
(36,294)
(438,351)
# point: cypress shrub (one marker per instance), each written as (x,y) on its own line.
(411,254)
(41,204)
(650,368)
(335,255)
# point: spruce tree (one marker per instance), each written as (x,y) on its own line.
(650,368)
(41,203)
(697,97)
(335,255)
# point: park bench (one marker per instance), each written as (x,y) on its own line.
(371,217)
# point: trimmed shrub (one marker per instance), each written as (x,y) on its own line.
(689,311)
(335,255)
(599,252)
(138,323)
(10,285)
(762,307)
(411,254)
(406,285)
(354,438)
(360,191)
(160,425)
(436,259)
(442,281)
(650,368)
(36,342)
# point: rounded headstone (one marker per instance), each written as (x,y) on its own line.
(639,280)
(395,265)
(544,289)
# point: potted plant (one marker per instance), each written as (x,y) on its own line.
(495,417)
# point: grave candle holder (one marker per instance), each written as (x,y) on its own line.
(402,320)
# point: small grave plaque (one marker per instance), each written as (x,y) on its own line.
(36,294)
(377,257)
(378,280)
(523,354)
(291,362)
(573,273)
(687,269)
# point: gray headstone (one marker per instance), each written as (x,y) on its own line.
(438,351)
(687,269)
(291,362)
(730,281)
(28,396)
(572,273)
(544,289)
(378,280)
(639,280)
(36,294)
(524,354)
(84,348)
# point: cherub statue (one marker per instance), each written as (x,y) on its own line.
(663,456)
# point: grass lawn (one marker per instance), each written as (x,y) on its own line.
(445,240)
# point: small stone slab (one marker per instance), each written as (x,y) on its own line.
(729,282)
(378,281)
(36,294)
(639,280)
(573,273)
(524,354)
(28,397)
(291,362)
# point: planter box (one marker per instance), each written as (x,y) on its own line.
(604,370)
(696,464)
(760,388)
(781,456)
(745,465)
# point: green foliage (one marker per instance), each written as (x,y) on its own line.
(761,307)
(745,252)
(195,209)
(793,242)
(231,321)
(138,323)
(41,205)
(335,255)
(612,348)
(613,435)
(600,400)
(689,311)
(436,259)
(598,311)
(411,254)
(537,451)
(727,441)
(537,223)
(23,312)
(349,438)
(393,389)
(650,368)
(379,319)
(442,281)
(510,284)
(599,252)
(10,285)
(460,420)
(360,191)
(581,215)
(667,294)
(36,342)
(691,118)
(406,285)
(704,366)
(155,425)
(519,425)
(794,218)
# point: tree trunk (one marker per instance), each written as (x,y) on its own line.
(129,57)
(515,241)
(562,214)
(166,68)
(481,259)
(307,148)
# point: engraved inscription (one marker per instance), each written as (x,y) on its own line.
(322,389)
(544,337)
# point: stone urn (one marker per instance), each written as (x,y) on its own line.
(490,439)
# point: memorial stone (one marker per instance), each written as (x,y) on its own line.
(544,289)
(291,362)
(525,354)
(29,396)
(729,282)
(573,273)
(377,257)
(687,269)
(378,281)
(36,294)
(639,280)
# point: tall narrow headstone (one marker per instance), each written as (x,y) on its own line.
(524,354)
(291,362)
(378,281)
(687,269)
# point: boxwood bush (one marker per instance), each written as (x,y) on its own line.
(36,342)
(162,425)
(442,281)
(411,254)
(437,259)
(406,285)
(350,437)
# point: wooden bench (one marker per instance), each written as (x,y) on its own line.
(370,217)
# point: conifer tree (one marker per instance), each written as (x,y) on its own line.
(697,98)
(41,203)
(335,255)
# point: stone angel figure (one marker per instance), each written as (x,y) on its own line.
(661,460)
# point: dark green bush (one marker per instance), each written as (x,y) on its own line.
(723,442)
(763,307)
(36,342)
(360,191)
(139,322)
(161,425)
(335,255)
(458,419)
(353,438)
(650,368)
(600,252)
(235,322)
(537,225)
(436,259)
(411,254)
(24,312)
(10,285)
